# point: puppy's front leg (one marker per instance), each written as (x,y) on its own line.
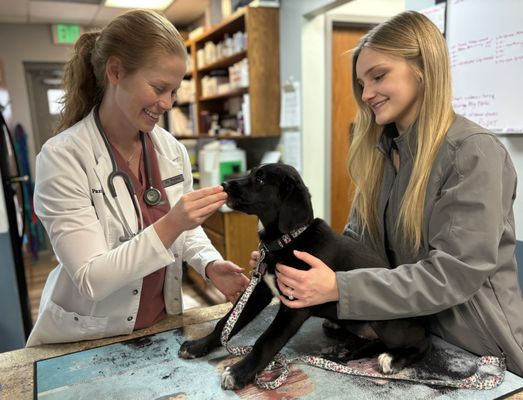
(260,297)
(284,326)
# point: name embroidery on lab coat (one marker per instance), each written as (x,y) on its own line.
(173,180)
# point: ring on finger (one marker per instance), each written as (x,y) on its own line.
(291,296)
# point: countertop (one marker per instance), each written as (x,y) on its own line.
(16,367)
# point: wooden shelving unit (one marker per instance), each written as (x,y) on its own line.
(222,96)
(224,62)
(262,28)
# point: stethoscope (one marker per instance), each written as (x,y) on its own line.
(151,196)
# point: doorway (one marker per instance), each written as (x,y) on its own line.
(343,112)
(44,86)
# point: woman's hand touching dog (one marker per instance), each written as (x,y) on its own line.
(307,288)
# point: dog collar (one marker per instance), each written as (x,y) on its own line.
(280,243)
(261,266)
(284,240)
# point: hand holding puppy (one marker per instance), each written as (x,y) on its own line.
(308,288)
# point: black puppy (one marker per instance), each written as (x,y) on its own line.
(280,199)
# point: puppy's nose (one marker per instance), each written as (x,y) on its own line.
(225,186)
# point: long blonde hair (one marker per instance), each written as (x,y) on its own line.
(135,37)
(416,39)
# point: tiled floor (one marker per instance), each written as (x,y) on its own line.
(36,274)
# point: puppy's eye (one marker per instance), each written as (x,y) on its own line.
(259,177)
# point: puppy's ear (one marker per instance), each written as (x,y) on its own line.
(296,208)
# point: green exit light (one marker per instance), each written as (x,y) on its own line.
(66,33)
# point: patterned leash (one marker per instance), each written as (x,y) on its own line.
(480,380)
(279,360)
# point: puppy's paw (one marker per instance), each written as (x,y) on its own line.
(329,324)
(228,380)
(386,364)
(192,349)
(236,377)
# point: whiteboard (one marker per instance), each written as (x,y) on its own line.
(485,40)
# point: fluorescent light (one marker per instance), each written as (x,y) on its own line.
(151,4)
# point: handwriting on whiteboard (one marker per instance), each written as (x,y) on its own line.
(477,108)
(485,41)
(503,48)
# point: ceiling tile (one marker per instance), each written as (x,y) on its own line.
(106,14)
(13,11)
(181,12)
(51,11)
(96,2)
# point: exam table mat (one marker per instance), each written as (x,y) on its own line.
(149,368)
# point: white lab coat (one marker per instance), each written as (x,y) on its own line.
(95,290)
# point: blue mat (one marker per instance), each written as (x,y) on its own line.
(149,368)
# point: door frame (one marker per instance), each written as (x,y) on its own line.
(31,70)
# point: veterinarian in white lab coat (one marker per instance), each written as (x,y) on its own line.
(120,262)
(434,197)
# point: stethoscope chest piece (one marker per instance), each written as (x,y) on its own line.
(152,196)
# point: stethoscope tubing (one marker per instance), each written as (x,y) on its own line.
(152,196)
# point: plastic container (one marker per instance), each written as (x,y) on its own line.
(219,159)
